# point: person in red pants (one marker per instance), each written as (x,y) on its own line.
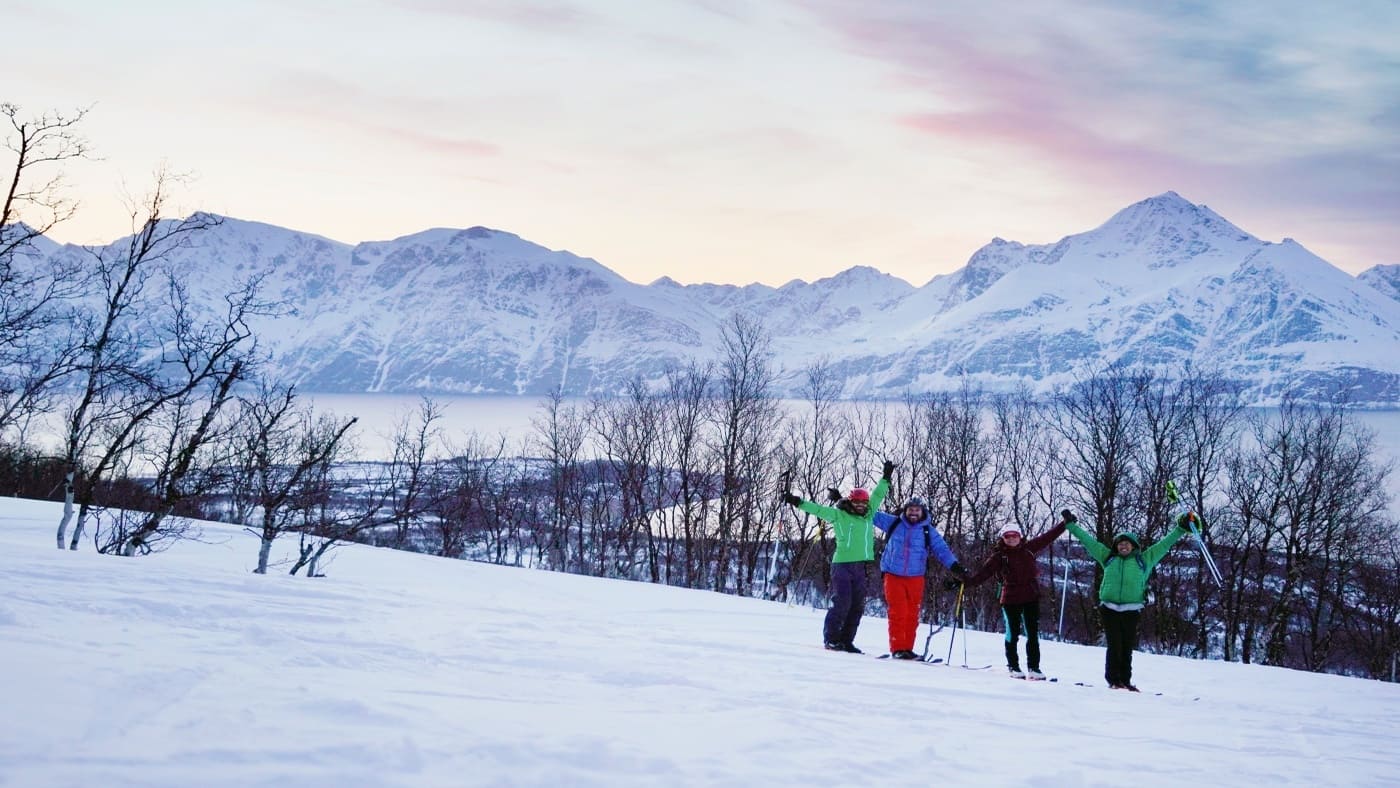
(909,541)
(1013,562)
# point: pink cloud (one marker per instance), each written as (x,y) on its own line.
(1136,101)
(322,99)
(438,145)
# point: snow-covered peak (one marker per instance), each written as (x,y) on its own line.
(1385,278)
(39,245)
(1171,228)
(864,277)
(1162,282)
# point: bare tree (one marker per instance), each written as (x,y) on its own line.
(684,411)
(48,139)
(810,453)
(560,434)
(465,504)
(285,455)
(628,431)
(1024,452)
(35,350)
(408,481)
(394,496)
(189,459)
(745,415)
(1097,424)
(140,353)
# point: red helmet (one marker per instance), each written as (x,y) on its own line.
(859,495)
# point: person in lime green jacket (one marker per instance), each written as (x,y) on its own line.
(852,520)
(1123,592)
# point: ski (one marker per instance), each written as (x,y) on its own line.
(1028,679)
(1124,689)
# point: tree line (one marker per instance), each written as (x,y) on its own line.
(166,418)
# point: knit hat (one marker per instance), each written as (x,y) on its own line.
(859,495)
(1011,529)
(914,501)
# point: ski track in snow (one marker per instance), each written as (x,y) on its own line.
(184,669)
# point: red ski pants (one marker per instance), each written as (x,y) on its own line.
(903,595)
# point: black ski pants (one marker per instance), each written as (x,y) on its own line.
(1120,631)
(1022,617)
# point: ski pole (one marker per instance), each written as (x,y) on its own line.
(964,629)
(1174,499)
(1064,595)
(957,608)
(1191,518)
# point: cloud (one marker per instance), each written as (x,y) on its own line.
(1287,105)
(325,100)
(537,15)
(436,145)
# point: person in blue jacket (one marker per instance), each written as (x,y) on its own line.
(909,540)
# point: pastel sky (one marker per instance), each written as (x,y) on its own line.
(724,140)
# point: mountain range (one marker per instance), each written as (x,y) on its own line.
(1164,282)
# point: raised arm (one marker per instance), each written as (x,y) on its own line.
(1043,541)
(877,496)
(812,507)
(883,520)
(1097,550)
(1158,550)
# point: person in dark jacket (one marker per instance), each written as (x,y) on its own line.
(1123,592)
(1013,563)
(909,540)
(852,524)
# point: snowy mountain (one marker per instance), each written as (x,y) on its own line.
(402,669)
(1385,278)
(1163,282)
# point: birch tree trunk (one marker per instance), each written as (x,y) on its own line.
(67,507)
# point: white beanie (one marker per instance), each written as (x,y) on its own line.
(1011,529)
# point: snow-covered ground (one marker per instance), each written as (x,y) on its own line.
(184,669)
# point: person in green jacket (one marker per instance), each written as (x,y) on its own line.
(852,520)
(1123,592)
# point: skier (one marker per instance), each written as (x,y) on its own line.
(1123,592)
(1013,563)
(851,520)
(909,539)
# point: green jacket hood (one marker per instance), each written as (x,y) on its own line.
(1130,536)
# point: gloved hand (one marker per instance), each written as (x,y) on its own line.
(790,499)
(887,471)
(1187,519)
(951,584)
(1066,516)
(958,571)
(833,494)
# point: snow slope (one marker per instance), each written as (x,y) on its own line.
(183,669)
